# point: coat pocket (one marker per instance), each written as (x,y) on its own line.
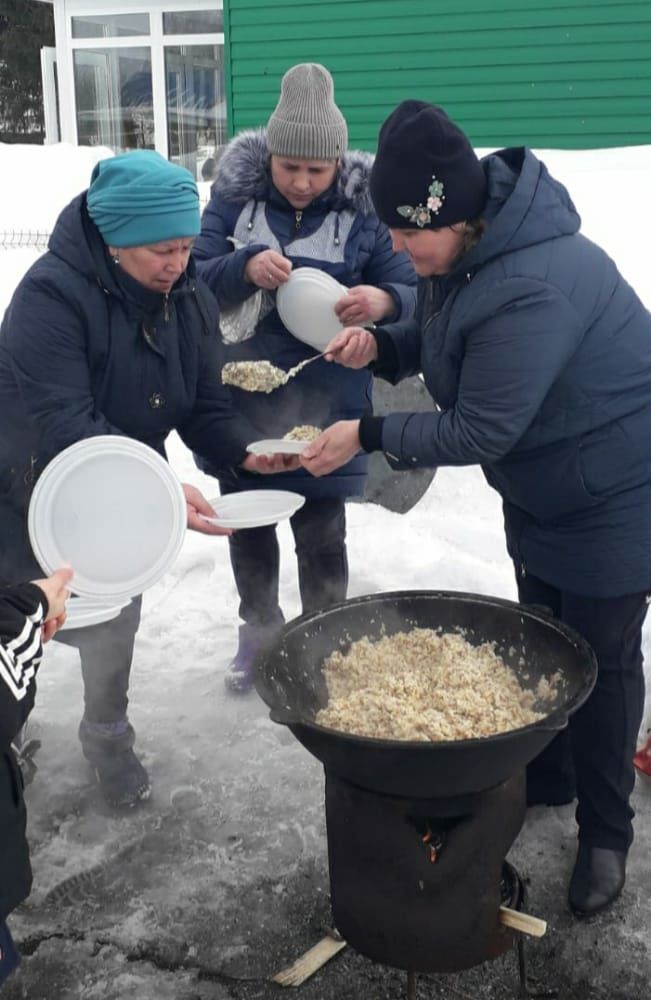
(546,483)
(617,457)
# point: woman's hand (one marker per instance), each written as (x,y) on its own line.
(353,347)
(336,446)
(55,589)
(197,505)
(269,464)
(267,269)
(364,304)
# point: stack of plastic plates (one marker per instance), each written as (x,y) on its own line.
(112,509)
(305,304)
(81,612)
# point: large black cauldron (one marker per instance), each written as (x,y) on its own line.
(289,679)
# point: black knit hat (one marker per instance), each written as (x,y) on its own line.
(426,174)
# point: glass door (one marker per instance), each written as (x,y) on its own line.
(152,79)
(113,91)
(50,94)
(196,109)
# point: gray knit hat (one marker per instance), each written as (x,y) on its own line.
(307,123)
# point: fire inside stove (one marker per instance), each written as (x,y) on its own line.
(433,841)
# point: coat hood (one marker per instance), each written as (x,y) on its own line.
(243,173)
(77,241)
(526,206)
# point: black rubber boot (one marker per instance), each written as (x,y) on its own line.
(597,880)
(123,781)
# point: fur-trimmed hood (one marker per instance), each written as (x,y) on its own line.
(243,173)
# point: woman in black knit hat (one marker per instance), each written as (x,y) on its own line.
(538,355)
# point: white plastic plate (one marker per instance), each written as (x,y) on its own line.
(277,446)
(254,508)
(305,304)
(112,509)
(81,612)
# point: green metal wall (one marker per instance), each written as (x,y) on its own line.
(544,73)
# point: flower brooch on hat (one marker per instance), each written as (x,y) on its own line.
(422,214)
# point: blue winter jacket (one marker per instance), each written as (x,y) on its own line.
(86,350)
(539,355)
(340,234)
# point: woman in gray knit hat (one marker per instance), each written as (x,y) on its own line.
(289,196)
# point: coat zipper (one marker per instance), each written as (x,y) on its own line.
(299,218)
(30,476)
(167,307)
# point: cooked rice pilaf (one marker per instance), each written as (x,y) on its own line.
(304,432)
(421,685)
(253,376)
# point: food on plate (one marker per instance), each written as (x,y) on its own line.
(426,685)
(303,432)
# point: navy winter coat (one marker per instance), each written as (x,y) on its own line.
(86,350)
(539,355)
(338,233)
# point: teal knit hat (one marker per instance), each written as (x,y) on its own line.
(140,197)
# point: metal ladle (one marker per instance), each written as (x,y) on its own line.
(299,367)
(260,376)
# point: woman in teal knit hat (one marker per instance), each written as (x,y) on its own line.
(111,332)
(140,198)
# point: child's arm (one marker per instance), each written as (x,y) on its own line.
(29,615)
(23,610)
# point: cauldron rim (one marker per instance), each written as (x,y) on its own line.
(556,720)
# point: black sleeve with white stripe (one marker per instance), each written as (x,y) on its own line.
(22,612)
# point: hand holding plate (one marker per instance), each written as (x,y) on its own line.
(267,269)
(336,446)
(364,304)
(55,589)
(269,464)
(198,510)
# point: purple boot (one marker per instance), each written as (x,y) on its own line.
(239,678)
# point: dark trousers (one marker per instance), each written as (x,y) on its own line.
(319,530)
(596,750)
(106,651)
(9,957)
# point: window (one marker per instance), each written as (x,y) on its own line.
(193,22)
(196,109)
(113,90)
(121,61)
(110,25)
